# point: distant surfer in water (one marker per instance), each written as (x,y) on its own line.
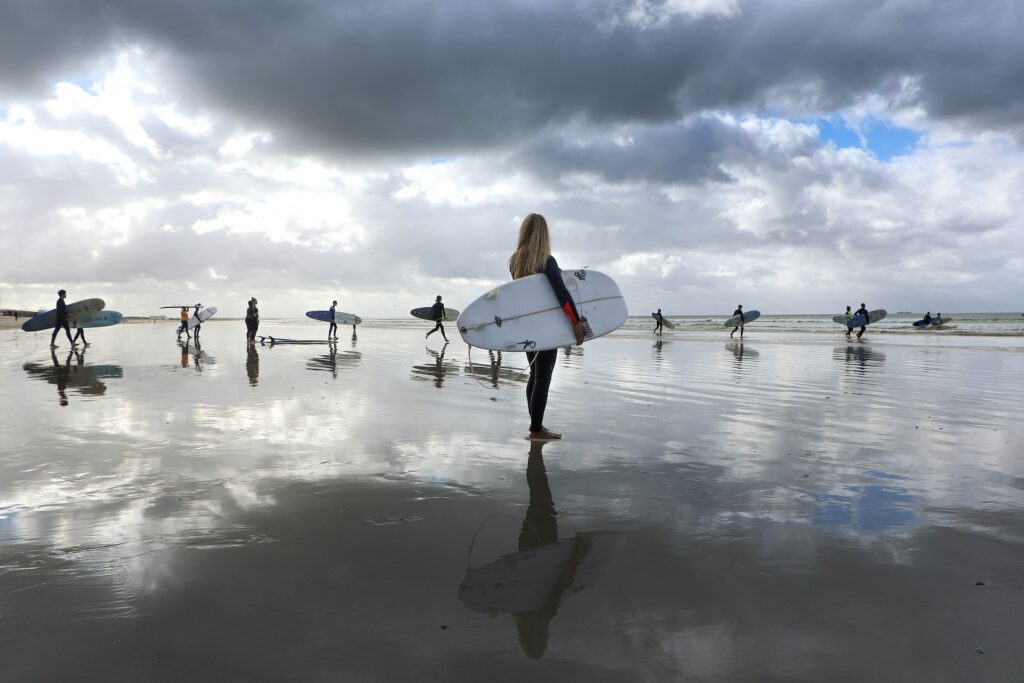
(849,314)
(532,256)
(862,310)
(928,318)
(252,321)
(61,321)
(332,331)
(184,323)
(437,310)
(739,312)
(658,322)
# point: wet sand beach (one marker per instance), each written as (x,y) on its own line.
(793,507)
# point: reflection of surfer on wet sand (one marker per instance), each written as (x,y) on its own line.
(859,355)
(252,365)
(531,583)
(86,379)
(438,369)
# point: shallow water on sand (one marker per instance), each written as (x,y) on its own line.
(790,507)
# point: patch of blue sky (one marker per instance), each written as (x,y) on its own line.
(884,140)
(85,83)
(438,161)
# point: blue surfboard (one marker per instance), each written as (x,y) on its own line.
(873,317)
(101,319)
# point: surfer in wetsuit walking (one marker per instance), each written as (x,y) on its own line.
(739,312)
(658,321)
(437,310)
(80,333)
(862,311)
(198,322)
(332,331)
(849,314)
(532,256)
(61,321)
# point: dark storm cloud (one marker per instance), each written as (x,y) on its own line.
(695,151)
(392,77)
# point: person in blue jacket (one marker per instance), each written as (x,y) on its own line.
(532,256)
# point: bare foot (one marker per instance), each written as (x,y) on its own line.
(544,435)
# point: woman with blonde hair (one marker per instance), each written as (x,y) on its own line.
(533,256)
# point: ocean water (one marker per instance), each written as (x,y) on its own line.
(793,507)
(957,324)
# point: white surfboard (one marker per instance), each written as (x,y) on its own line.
(524,314)
(340,318)
(666,323)
(204,315)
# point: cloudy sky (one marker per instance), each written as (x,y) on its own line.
(792,155)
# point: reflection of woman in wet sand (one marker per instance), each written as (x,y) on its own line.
(540,528)
(530,583)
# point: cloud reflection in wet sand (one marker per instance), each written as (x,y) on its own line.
(781,517)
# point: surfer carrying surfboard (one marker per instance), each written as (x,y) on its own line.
(658,322)
(61,321)
(739,325)
(863,310)
(532,256)
(439,315)
(199,321)
(849,314)
(332,331)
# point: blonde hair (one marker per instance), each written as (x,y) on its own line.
(533,248)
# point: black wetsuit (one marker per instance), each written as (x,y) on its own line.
(739,312)
(62,321)
(542,363)
(864,327)
(437,310)
(657,323)
(252,321)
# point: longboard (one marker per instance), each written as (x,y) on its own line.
(748,317)
(278,340)
(203,316)
(79,309)
(664,321)
(339,317)
(427,313)
(101,319)
(858,319)
(524,314)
